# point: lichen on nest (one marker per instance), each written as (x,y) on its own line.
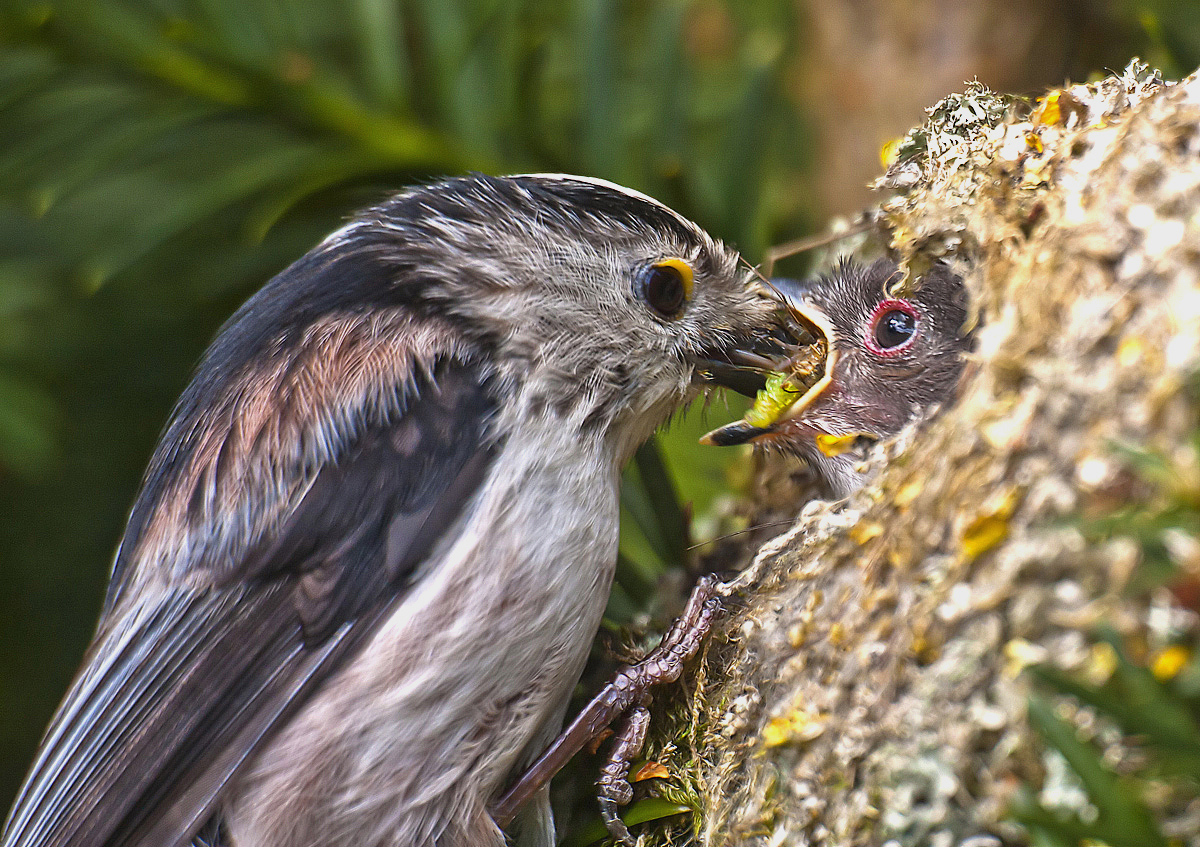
(871,688)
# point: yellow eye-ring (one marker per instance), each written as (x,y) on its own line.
(666,286)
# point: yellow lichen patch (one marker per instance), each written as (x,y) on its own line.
(1037,172)
(1101,662)
(865,531)
(796,727)
(1020,654)
(984,533)
(925,648)
(1007,431)
(907,494)
(989,528)
(650,770)
(1130,351)
(1049,111)
(1169,662)
(797,635)
(837,634)
(889,152)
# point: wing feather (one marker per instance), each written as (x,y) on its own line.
(180,689)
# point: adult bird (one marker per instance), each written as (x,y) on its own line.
(374,542)
(885,358)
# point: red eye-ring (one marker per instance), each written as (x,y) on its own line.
(892,328)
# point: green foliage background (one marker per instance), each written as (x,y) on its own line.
(161,159)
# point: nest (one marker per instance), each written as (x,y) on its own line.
(872,689)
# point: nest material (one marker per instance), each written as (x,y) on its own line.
(871,687)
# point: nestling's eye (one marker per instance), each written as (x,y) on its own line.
(892,327)
(666,287)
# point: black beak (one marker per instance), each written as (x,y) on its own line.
(745,368)
(738,432)
(798,352)
(744,379)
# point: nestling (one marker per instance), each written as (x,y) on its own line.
(876,362)
(374,542)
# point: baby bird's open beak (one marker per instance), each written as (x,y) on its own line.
(789,367)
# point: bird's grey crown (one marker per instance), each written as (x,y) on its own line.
(570,206)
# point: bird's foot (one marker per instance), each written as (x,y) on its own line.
(626,694)
(613,788)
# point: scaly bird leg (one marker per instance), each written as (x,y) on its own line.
(628,687)
(613,788)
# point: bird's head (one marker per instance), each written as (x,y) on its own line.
(596,302)
(877,359)
(543,311)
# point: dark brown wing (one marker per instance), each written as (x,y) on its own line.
(178,692)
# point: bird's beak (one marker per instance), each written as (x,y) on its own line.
(790,366)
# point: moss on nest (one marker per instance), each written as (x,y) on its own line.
(871,689)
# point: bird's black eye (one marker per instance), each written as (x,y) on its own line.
(892,327)
(666,287)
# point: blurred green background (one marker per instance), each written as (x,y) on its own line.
(159,160)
